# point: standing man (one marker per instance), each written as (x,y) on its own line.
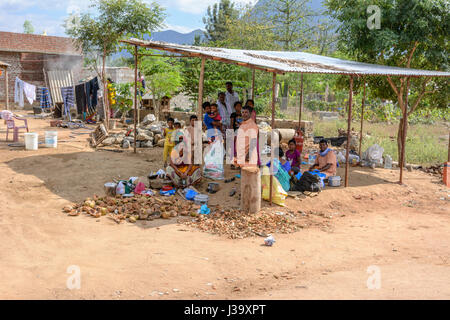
(231,97)
(223,110)
(247,149)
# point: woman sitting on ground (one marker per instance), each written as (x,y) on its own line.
(181,170)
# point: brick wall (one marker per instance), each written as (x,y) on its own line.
(29,67)
(15,70)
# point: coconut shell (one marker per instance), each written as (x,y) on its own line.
(165,215)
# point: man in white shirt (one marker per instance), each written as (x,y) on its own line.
(230,98)
(223,110)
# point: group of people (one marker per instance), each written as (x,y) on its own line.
(229,113)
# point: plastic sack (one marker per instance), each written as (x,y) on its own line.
(213,168)
(374,154)
(278,193)
(140,187)
(321,175)
(281,174)
(120,189)
(190,194)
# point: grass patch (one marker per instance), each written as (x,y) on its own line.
(425,144)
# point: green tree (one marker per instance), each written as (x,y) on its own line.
(215,19)
(163,78)
(28,27)
(413,34)
(98,35)
(290,21)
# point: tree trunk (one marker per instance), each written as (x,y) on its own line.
(399,141)
(250,189)
(105,92)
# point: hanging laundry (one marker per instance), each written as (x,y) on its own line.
(30,92)
(18,92)
(92,88)
(80,97)
(67,94)
(45,99)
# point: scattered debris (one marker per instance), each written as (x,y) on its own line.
(132,209)
(236,224)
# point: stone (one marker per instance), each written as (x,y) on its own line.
(147,144)
(109,141)
(126,144)
(143,137)
(119,138)
(148,119)
(157,137)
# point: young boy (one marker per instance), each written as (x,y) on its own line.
(207,120)
(216,121)
(293,156)
(168,144)
(176,133)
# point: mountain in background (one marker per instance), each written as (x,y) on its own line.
(175,37)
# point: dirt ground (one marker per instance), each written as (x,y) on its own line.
(402,230)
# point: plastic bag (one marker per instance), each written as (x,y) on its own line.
(213,167)
(374,154)
(140,187)
(281,174)
(278,193)
(120,189)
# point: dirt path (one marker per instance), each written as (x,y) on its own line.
(402,230)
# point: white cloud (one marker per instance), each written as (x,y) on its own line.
(194,6)
(181,29)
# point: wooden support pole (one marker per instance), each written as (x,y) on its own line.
(253,84)
(362,120)
(135,94)
(251,189)
(6,88)
(405,125)
(200,90)
(274,82)
(349,124)
(448,156)
(301,102)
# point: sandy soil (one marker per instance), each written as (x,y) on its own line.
(403,230)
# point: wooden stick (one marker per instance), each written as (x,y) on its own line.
(200,90)
(6,88)
(274,82)
(349,124)
(405,124)
(362,120)
(253,84)
(135,94)
(301,102)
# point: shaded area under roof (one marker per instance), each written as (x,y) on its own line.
(283,62)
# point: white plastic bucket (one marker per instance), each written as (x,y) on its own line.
(31,141)
(334,181)
(51,139)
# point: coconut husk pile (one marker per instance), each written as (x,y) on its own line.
(236,224)
(132,209)
(436,170)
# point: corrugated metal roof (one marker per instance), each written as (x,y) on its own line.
(282,62)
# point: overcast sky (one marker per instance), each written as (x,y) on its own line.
(48,15)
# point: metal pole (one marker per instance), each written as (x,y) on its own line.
(274,81)
(301,102)
(253,84)
(405,124)
(135,94)
(349,124)
(200,90)
(362,120)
